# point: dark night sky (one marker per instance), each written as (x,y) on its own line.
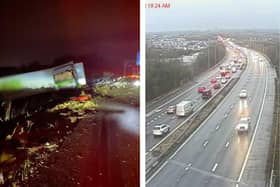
(105,31)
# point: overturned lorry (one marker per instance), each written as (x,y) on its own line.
(24,93)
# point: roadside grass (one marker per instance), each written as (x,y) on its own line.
(128,93)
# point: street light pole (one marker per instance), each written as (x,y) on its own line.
(124,67)
(278,55)
(208,54)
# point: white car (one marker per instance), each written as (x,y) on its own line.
(223,81)
(243,94)
(243,125)
(171,109)
(218,77)
(160,130)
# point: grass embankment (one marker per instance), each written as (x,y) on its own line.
(273,162)
(128,94)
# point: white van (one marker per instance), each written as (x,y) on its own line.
(184,108)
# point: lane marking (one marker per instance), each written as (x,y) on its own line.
(188,167)
(205,143)
(227,144)
(156,172)
(215,167)
(254,135)
(206,173)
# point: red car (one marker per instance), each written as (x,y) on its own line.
(217,86)
(200,89)
(213,81)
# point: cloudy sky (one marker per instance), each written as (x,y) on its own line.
(213,14)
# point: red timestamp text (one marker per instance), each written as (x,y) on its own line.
(157,5)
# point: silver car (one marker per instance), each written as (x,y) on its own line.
(171,109)
(161,129)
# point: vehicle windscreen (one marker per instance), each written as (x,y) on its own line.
(156,128)
(242,121)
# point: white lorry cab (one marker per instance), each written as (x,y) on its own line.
(184,108)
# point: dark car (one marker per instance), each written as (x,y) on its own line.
(200,89)
(217,86)
(206,94)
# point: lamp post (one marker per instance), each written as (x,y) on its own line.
(126,63)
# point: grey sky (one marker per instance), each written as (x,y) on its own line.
(213,14)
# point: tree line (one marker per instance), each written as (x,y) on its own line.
(269,48)
(163,76)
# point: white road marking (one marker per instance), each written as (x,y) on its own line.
(205,173)
(155,173)
(149,114)
(205,143)
(188,167)
(227,144)
(215,167)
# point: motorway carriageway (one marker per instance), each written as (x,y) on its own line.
(214,155)
(158,115)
